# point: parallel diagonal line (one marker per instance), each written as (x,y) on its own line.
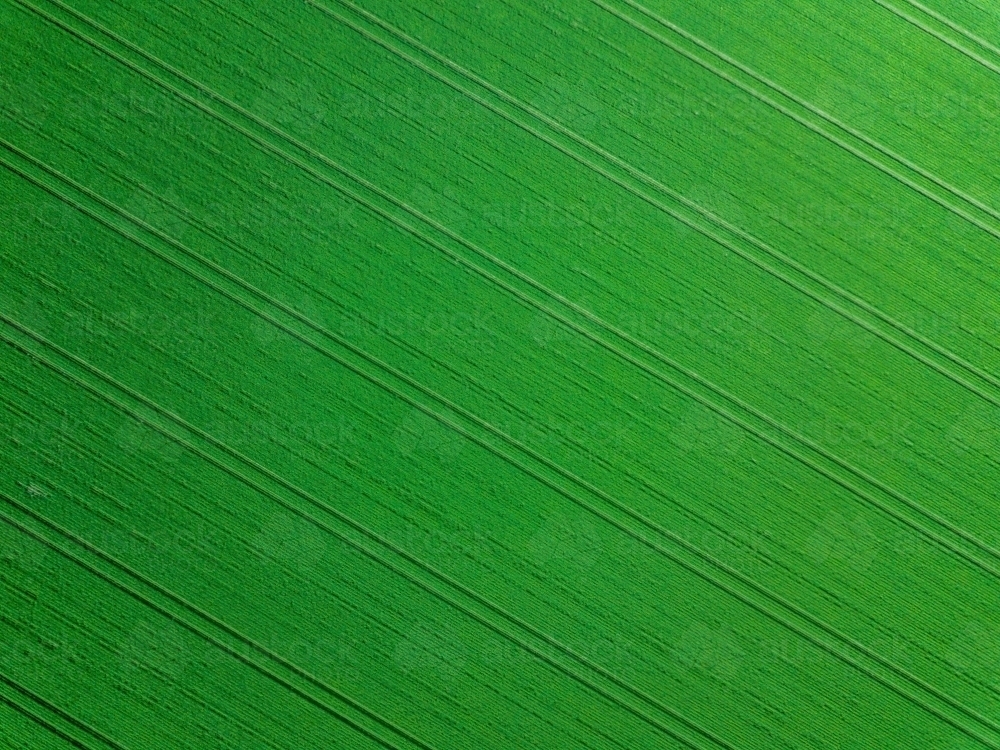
(49,724)
(795,436)
(357,527)
(203,634)
(593,490)
(652,182)
(43,723)
(917,23)
(812,108)
(96,459)
(663,189)
(868,479)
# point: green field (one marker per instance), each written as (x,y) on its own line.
(443,374)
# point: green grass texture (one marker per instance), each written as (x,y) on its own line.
(454,375)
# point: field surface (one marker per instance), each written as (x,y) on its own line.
(439,374)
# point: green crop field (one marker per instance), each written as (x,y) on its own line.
(453,375)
